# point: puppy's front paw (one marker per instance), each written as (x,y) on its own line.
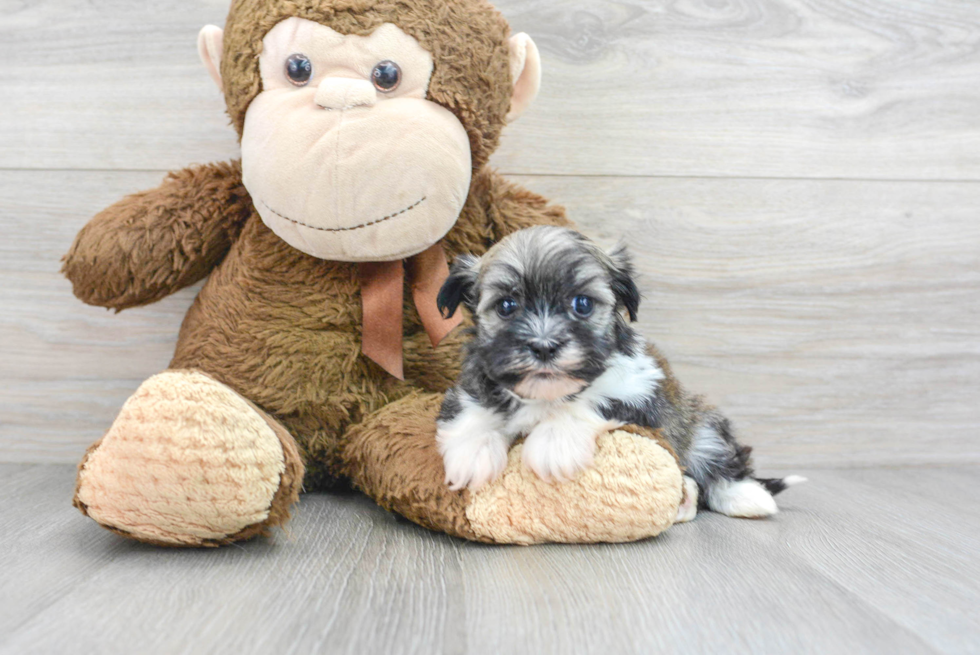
(559,449)
(473,459)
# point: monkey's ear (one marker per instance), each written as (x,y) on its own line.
(525,71)
(209,42)
(623,285)
(459,286)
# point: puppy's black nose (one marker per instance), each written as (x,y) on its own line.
(544,350)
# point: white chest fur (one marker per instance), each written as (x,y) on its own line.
(629,380)
(561,434)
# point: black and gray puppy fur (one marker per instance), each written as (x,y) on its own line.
(537,347)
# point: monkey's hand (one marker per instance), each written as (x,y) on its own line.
(150,244)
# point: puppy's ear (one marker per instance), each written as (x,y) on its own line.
(459,286)
(623,285)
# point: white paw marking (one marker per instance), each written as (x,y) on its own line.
(793,480)
(564,443)
(473,447)
(689,506)
(554,453)
(742,498)
(473,461)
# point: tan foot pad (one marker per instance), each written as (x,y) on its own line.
(633,491)
(187,462)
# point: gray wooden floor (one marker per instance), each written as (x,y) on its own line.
(859,561)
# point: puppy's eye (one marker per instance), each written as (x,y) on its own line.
(506,307)
(386,76)
(299,69)
(583,306)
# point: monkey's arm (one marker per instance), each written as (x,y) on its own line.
(150,244)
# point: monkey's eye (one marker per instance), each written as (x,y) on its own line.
(386,76)
(506,307)
(299,69)
(583,306)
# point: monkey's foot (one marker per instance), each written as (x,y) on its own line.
(189,462)
(632,490)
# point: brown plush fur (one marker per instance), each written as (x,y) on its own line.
(283,328)
(153,243)
(394,454)
(290,484)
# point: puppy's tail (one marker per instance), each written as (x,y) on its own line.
(776,485)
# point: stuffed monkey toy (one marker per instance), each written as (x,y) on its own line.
(314,355)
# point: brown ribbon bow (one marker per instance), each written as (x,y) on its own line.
(382,285)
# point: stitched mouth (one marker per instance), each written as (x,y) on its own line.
(353,227)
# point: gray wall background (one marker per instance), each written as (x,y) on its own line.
(799,180)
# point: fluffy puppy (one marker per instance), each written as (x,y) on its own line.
(553,358)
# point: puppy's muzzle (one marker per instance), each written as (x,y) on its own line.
(544,350)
